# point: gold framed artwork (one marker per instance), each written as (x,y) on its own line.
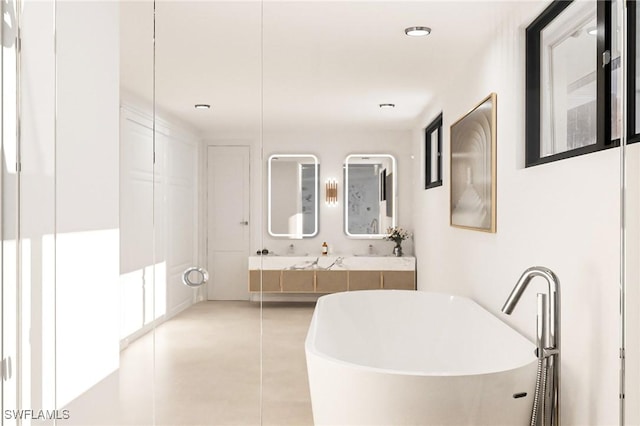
(473,168)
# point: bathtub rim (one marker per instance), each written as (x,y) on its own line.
(310,348)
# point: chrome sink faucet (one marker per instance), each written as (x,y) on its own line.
(548,350)
(373,227)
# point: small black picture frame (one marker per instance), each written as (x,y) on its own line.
(433,153)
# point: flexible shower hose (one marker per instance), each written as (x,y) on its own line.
(541,385)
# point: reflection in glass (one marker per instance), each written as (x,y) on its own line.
(366,192)
(616,97)
(293,195)
(434,156)
(569,56)
(369,195)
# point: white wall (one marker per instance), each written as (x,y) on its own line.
(564,215)
(632,263)
(632,277)
(332,146)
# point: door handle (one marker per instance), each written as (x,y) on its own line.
(202,276)
(244,222)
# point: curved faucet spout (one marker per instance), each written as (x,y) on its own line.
(550,349)
(554,295)
(373,227)
(523,282)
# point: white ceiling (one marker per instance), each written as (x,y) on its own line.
(303,63)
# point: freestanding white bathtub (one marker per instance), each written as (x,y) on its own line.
(393,357)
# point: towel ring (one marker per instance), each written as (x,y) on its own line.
(204,276)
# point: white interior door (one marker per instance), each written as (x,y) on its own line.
(228,222)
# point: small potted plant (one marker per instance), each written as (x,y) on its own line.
(397,235)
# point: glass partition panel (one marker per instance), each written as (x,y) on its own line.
(109,197)
(9,213)
(207,156)
(35,367)
(60,212)
(137,199)
(99,276)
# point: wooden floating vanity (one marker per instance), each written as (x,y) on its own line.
(289,274)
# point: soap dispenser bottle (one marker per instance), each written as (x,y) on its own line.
(325,249)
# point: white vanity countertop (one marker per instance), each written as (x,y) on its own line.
(350,263)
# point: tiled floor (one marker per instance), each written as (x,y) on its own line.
(208,367)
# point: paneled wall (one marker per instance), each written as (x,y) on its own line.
(158,219)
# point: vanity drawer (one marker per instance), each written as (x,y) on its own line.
(399,280)
(365,280)
(270,281)
(298,281)
(331,281)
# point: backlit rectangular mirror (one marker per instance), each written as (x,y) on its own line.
(370,195)
(292,186)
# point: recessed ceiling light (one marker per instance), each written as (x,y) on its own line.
(417,31)
(202,106)
(592,31)
(387,105)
